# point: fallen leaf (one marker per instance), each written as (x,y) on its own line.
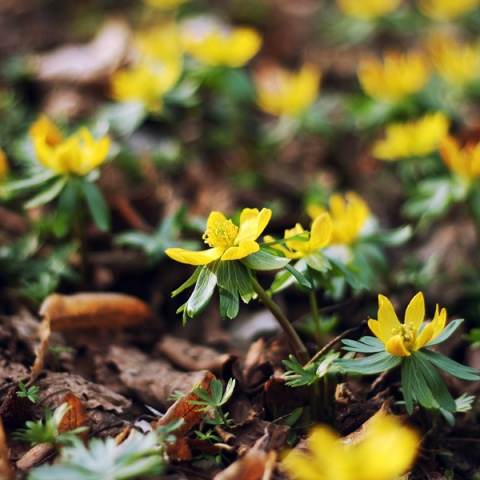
(86,310)
(36,455)
(75,417)
(6,470)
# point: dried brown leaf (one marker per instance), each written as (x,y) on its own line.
(75,417)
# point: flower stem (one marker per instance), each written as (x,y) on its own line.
(299,348)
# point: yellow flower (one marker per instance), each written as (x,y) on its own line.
(216,44)
(386,451)
(227,240)
(282,92)
(446,9)
(165,4)
(317,238)
(146,83)
(3,165)
(160,43)
(412,139)
(348,216)
(455,62)
(401,339)
(399,76)
(463,161)
(367,9)
(77,154)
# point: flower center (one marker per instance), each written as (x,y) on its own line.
(221,234)
(407,332)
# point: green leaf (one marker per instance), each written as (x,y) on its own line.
(123,117)
(451,366)
(305,285)
(376,363)
(48,194)
(34,180)
(391,238)
(203,291)
(97,206)
(446,333)
(68,199)
(319,262)
(229,303)
(364,345)
(413,382)
(434,381)
(191,281)
(263,260)
(233,276)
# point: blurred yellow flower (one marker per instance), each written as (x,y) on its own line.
(3,165)
(416,138)
(165,4)
(446,9)
(456,62)
(348,215)
(367,9)
(386,451)
(215,44)
(282,92)
(398,76)
(464,161)
(146,83)
(306,242)
(77,154)
(401,339)
(161,42)
(226,240)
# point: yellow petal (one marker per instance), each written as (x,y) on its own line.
(46,131)
(433,329)
(415,312)
(374,326)
(244,249)
(396,346)
(252,223)
(387,318)
(215,218)
(425,336)
(321,232)
(194,258)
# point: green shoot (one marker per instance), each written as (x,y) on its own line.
(29,393)
(216,399)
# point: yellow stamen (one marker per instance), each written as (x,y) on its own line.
(221,234)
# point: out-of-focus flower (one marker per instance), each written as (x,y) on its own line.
(446,9)
(146,83)
(77,154)
(161,42)
(213,43)
(400,339)
(367,9)
(226,240)
(282,92)
(165,4)
(349,215)
(456,62)
(464,161)
(397,77)
(412,139)
(386,451)
(3,165)
(306,242)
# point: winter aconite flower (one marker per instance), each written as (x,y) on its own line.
(398,76)
(407,345)
(456,62)
(349,215)
(401,338)
(446,9)
(226,240)
(416,138)
(464,161)
(213,43)
(146,83)
(282,92)
(76,155)
(386,451)
(367,9)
